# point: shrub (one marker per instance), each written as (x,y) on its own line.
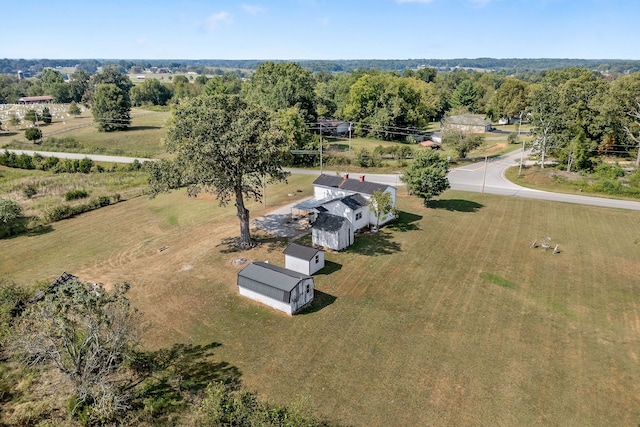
(33,134)
(608,171)
(76,195)
(29,191)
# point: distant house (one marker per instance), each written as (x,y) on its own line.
(468,123)
(45,99)
(303,259)
(332,231)
(280,288)
(431,144)
(333,127)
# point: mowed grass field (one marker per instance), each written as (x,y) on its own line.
(448,317)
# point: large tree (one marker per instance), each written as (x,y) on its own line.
(86,332)
(111,108)
(545,119)
(224,146)
(624,99)
(462,142)
(151,91)
(509,100)
(282,85)
(426,177)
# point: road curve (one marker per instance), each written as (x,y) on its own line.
(477,177)
(489,178)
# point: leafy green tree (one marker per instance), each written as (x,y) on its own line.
(73,109)
(78,85)
(14,120)
(10,215)
(384,105)
(467,97)
(224,146)
(151,91)
(33,134)
(509,100)
(624,108)
(108,75)
(381,204)
(60,92)
(282,85)
(426,177)
(86,333)
(545,118)
(223,85)
(32,116)
(111,108)
(462,142)
(46,115)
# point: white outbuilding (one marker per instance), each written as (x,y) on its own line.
(303,259)
(280,288)
(332,231)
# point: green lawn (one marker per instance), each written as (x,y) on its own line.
(447,317)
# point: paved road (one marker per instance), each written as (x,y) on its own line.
(474,177)
(490,179)
(94,157)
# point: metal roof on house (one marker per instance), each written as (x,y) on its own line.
(328,222)
(310,204)
(467,119)
(272,275)
(35,98)
(349,184)
(354,201)
(301,252)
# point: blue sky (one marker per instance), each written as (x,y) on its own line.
(317,29)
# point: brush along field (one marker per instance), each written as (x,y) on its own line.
(447,317)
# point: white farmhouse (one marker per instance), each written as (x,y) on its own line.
(303,259)
(285,290)
(343,196)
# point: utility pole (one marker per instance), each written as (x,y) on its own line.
(320,148)
(484,174)
(522,154)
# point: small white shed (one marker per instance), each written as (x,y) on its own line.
(332,231)
(285,290)
(303,259)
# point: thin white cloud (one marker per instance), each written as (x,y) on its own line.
(251,9)
(218,18)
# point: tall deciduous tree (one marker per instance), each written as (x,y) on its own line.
(224,146)
(282,85)
(509,100)
(86,333)
(111,108)
(461,142)
(545,118)
(426,177)
(625,97)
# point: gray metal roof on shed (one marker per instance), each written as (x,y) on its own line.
(328,222)
(310,204)
(272,275)
(354,201)
(349,184)
(467,119)
(300,251)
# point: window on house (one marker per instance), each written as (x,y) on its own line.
(317,259)
(358,216)
(308,288)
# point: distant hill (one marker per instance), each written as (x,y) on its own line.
(508,65)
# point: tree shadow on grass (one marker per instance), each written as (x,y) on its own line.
(320,301)
(329,268)
(455,205)
(133,128)
(406,221)
(172,374)
(371,244)
(272,243)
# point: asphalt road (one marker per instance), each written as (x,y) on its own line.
(489,178)
(476,177)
